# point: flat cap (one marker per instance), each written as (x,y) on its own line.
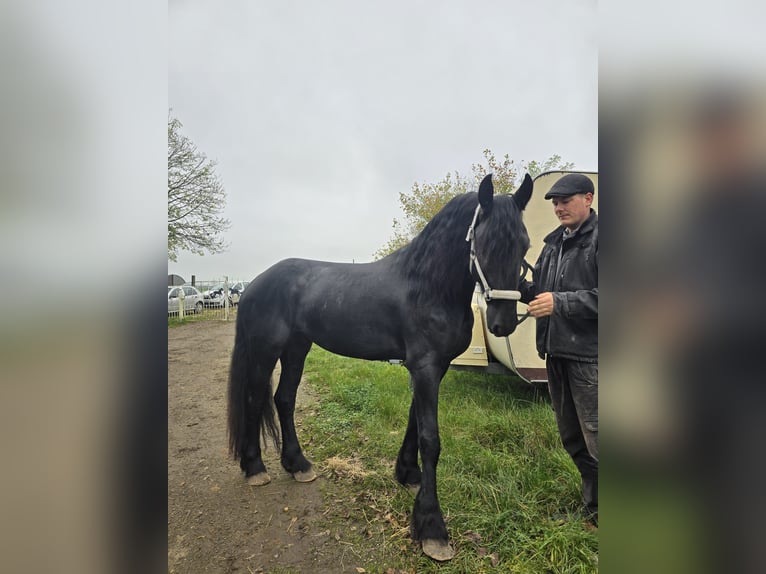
(571,184)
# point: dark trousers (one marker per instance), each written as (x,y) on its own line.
(574,395)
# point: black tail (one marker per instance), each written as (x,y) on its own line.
(251,402)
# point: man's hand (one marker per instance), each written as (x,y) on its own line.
(542,305)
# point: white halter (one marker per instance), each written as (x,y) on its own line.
(489,293)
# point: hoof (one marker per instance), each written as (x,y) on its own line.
(259,479)
(439,550)
(413,488)
(306,476)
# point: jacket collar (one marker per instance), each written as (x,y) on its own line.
(587,226)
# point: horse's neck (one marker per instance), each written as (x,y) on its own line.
(438,264)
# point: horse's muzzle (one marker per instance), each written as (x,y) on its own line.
(501,318)
(499,330)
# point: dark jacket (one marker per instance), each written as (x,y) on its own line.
(572,331)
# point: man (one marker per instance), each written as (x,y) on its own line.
(563,297)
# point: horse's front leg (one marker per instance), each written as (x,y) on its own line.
(407,470)
(427,521)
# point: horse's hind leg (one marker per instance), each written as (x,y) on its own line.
(251,460)
(292,360)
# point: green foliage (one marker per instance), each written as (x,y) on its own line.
(426,199)
(502,471)
(195,198)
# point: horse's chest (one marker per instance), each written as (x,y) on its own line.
(448,333)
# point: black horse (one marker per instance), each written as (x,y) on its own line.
(413,305)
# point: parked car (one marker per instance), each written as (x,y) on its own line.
(214,296)
(193,299)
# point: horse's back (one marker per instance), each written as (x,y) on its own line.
(351,309)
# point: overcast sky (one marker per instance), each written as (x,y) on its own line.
(320,113)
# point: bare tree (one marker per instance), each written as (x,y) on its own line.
(196,198)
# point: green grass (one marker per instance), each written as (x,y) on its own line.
(501,475)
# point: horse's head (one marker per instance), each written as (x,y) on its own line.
(500,242)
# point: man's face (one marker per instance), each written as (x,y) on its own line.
(573,210)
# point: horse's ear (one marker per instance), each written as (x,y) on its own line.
(522,195)
(486,192)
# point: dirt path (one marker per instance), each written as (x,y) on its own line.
(216,523)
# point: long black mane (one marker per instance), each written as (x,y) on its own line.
(436,260)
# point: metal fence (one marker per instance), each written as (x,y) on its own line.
(222,307)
